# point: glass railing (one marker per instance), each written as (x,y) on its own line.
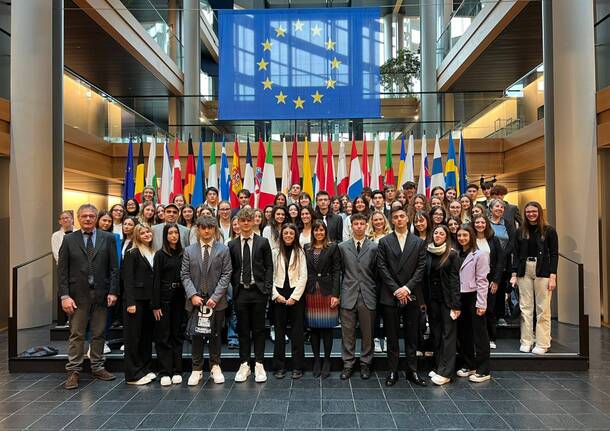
(602,49)
(458,23)
(162,25)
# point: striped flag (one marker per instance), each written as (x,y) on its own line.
(128,185)
(285,183)
(198,197)
(225,176)
(258,173)
(177,173)
(213,169)
(437,179)
(376,178)
(249,173)
(295,176)
(166,176)
(268,185)
(307,178)
(423,186)
(189,179)
(140,173)
(355,174)
(401,163)
(389,170)
(451,168)
(330,168)
(320,183)
(235,175)
(366,175)
(151,171)
(463,169)
(342,178)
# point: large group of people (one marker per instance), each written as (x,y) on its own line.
(378,262)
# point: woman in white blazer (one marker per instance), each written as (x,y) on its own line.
(289,279)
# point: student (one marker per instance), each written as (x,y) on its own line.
(280,200)
(289,279)
(511,212)
(66,226)
(147,213)
(535,272)
(117,214)
(252,281)
(304,199)
(171,213)
(450,194)
(336,207)
(293,195)
(224,221)
(472,191)
(411,188)
(272,230)
(293,214)
(438,215)
(438,192)
(378,202)
(259,218)
(443,302)
(243,198)
(138,280)
(478,210)
(418,203)
(159,213)
(206,273)
(389,192)
(307,217)
(489,243)
(401,263)
(148,194)
(486,189)
(436,202)
(422,226)
(472,326)
(104,221)
(211,199)
(322,294)
(358,297)
(402,197)
(455,209)
(378,226)
(187,216)
(132,208)
(359,206)
(168,306)
(466,203)
(333,222)
(453,224)
(179,200)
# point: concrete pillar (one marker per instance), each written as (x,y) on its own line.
(387,36)
(428,24)
(192,68)
(400,31)
(31,159)
(575,156)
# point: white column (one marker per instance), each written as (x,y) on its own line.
(192,67)
(31,158)
(576,178)
(428,24)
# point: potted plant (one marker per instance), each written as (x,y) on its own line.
(398,72)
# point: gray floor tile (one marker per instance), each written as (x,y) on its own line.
(480,406)
(338,406)
(371,406)
(18,421)
(267,420)
(485,421)
(231,420)
(510,407)
(160,420)
(593,420)
(523,422)
(448,421)
(87,422)
(400,394)
(560,422)
(406,407)
(339,420)
(303,420)
(52,422)
(271,406)
(304,406)
(195,421)
(337,393)
(123,422)
(436,406)
(411,421)
(238,406)
(376,421)
(368,394)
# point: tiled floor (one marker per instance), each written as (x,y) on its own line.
(524,400)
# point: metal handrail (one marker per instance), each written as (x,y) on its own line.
(12,319)
(583,319)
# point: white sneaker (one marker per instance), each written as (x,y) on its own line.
(166,381)
(151,376)
(492,344)
(143,381)
(428,354)
(539,350)
(194,378)
(384,345)
(260,376)
(432,373)
(440,380)
(88,354)
(272,333)
(176,379)
(419,353)
(122,347)
(525,348)
(243,373)
(478,378)
(465,372)
(378,348)
(106,349)
(217,375)
(286,339)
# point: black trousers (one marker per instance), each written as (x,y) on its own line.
(472,332)
(444,337)
(295,315)
(138,337)
(169,336)
(250,307)
(392,316)
(214,344)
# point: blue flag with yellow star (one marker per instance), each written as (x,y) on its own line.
(299,63)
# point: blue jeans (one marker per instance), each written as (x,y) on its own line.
(232,324)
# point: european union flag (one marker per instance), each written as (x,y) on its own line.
(299,63)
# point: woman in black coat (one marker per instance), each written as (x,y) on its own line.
(168,306)
(137,317)
(443,302)
(488,242)
(322,294)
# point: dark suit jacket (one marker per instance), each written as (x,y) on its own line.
(262,264)
(512,215)
(334,224)
(359,274)
(327,273)
(138,278)
(497,260)
(401,268)
(450,279)
(548,253)
(72,268)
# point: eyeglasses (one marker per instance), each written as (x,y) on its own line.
(224,209)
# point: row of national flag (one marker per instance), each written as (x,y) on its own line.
(260,180)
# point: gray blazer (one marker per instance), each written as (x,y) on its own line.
(359,273)
(218,274)
(157,231)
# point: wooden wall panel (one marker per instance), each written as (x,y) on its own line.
(603,118)
(5,127)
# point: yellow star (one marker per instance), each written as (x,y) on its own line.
(334,64)
(267,84)
(298,26)
(316,31)
(280,31)
(330,83)
(317,98)
(262,65)
(281,98)
(330,45)
(298,103)
(267,45)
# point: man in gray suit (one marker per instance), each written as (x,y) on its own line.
(358,297)
(206,275)
(171,212)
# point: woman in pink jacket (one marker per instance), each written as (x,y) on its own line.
(472,327)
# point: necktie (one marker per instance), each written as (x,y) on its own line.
(358,247)
(246,265)
(206,260)
(89,250)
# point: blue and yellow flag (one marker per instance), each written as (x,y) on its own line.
(299,63)
(451,169)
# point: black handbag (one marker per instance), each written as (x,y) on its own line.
(512,310)
(201,323)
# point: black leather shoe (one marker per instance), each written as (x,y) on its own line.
(325,369)
(415,379)
(280,374)
(365,372)
(391,379)
(296,374)
(346,373)
(317,366)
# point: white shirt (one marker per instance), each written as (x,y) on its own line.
(57,240)
(358,241)
(304,239)
(118,228)
(402,239)
(150,256)
(203,244)
(250,243)
(483,245)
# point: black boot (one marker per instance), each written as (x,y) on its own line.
(316,367)
(326,368)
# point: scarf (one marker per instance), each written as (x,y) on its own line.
(437,250)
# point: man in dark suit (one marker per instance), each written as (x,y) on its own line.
(243,196)
(401,261)
(206,275)
(251,280)
(358,297)
(333,222)
(88,278)
(511,212)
